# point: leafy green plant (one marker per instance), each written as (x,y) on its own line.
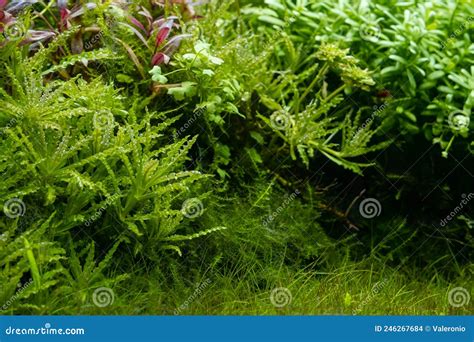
(82,277)
(148,145)
(310,116)
(30,265)
(418,53)
(303,102)
(69,146)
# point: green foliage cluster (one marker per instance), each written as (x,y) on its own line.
(420,55)
(76,165)
(420,52)
(147,146)
(282,98)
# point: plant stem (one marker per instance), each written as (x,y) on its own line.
(321,72)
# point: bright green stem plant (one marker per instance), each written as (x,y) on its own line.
(314,120)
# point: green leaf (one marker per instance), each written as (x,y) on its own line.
(173,248)
(272,20)
(157,76)
(208,72)
(194,236)
(254,155)
(215,60)
(134,228)
(257,137)
(436,74)
(125,78)
(187,89)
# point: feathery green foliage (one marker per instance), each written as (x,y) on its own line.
(150,147)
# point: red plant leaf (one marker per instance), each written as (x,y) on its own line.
(5,18)
(137,23)
(149,18)
(64,13)
(164,32)
(161,21)
(160,58)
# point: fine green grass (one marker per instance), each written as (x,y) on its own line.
(351,289)
(235,271)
